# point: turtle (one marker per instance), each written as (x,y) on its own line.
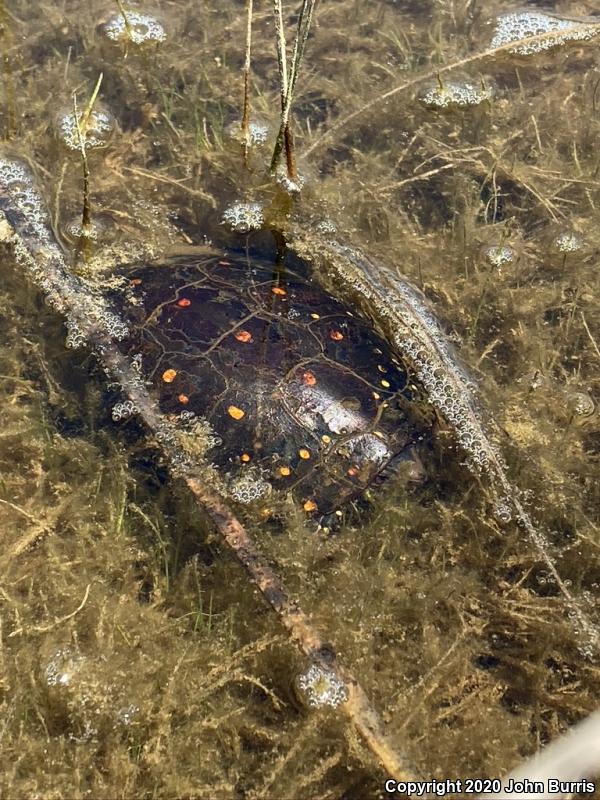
(300,394)
(285,387)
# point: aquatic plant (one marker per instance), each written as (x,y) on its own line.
(544,39)
(450,616)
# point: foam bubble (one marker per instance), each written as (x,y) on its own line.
(249,487)
(568,242)
(139,29)
(98,130)
(499,255)
(124,410)
(524,24)
(456,94)
(321,687)
(258,132)
(244,217)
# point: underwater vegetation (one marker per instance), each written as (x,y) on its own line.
(135,658)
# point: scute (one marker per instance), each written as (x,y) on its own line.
(304,395)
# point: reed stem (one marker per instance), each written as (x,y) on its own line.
(247,61)
(81,126)
(287,81)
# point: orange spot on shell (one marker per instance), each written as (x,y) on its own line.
(183,399)
(304,453)
(184,302)
(245,457)
(235,412)
(135,281)
(308,378)
(337,336)
(278,291)
(310,505)
(284,471)
(243,336)
(169,375)
(353,471)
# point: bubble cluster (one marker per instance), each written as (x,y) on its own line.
(582,404)
(124,410)
(90,704)
(128,714)
(249,487)
(525,24)
(139,29)
(77,230)
(290,185)
(19,182)
(114,326)
(62,668)
(568,242)
(258,132)
(326,226)
(244,217)
(95,133)
(75,338)
(456,94)
(499,255)
(322,687)
(136,362)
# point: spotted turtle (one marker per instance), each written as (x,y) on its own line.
(300,392)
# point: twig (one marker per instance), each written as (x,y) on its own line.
(29,538)
(57,622)
(589,333)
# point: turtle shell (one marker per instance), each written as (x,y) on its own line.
(303,395)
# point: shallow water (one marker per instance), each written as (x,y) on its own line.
(135,658)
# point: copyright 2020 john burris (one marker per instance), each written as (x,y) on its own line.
(492,787)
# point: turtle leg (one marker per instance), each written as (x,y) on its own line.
(405,467)
(406,464)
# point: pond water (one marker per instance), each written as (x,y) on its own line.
(136,659)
